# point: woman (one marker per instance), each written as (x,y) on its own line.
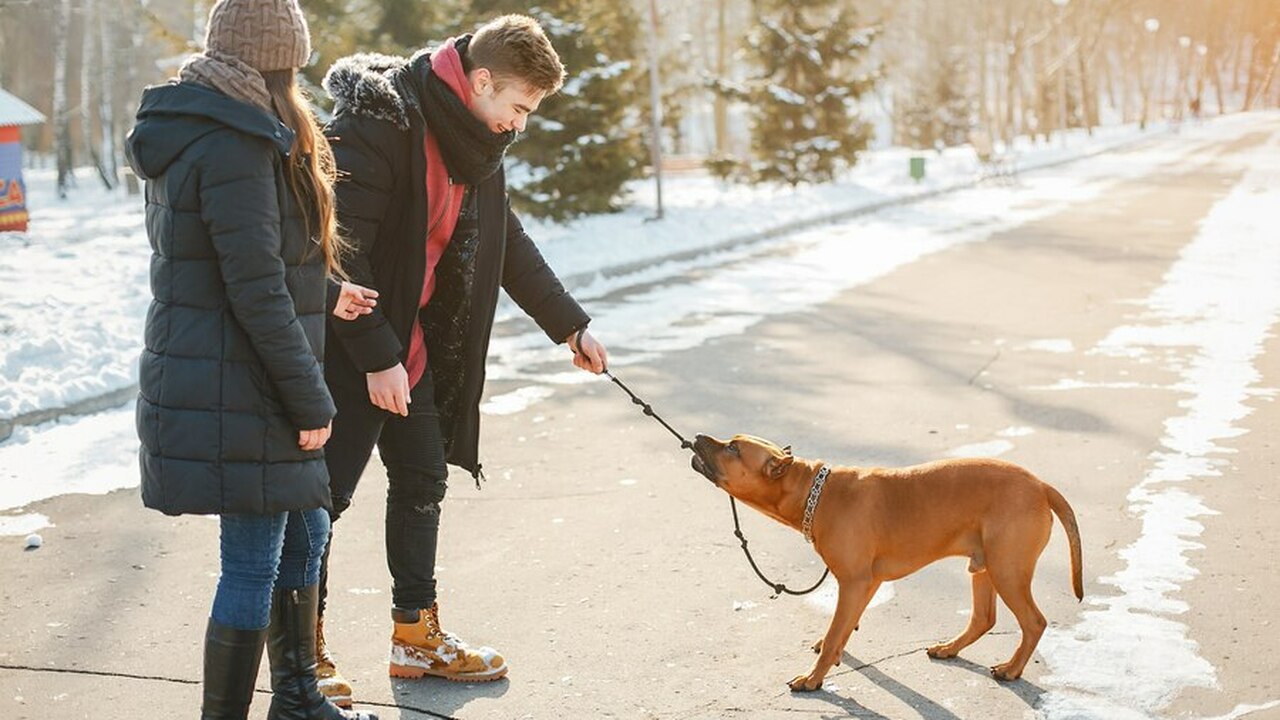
(232,409)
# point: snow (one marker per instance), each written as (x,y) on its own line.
(75,292)
(825,597)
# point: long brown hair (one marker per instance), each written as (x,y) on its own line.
(311,168)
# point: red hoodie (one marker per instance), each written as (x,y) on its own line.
(444,202)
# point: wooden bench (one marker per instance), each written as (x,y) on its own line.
(683,164)
(999,164)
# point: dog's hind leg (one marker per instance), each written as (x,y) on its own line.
(1014,586)
(852,599)
(982,619)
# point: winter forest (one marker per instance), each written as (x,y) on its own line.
(778,91)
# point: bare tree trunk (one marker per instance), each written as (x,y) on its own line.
(107,105)
(87,76)
(1120,102)
(721,108)
(1265,86)
(655,90)
(984,101)
(87,141)
(1250,86)
(1014,90)
(1161,87)
(1216,68)
(61,119)
(136,23)
(1240,56)
(1088,116)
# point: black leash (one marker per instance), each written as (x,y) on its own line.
(778,588)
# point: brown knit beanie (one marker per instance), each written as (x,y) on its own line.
(264,34)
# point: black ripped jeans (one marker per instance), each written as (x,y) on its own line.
(412,450)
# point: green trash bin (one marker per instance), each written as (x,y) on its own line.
(917,168)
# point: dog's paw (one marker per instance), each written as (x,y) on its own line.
(805,683)
(1005,671)
(941,651)
(817,646)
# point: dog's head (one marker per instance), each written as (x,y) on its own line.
(741,464)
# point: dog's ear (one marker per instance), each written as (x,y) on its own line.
(777,466)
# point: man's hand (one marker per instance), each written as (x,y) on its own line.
(389,389)
(314,439)
(354,301)
(588,353)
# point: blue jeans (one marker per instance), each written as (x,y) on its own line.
(262,552)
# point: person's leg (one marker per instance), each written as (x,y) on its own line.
(306,535)
(250,548)
(291,637)
(355,430)
(412,448)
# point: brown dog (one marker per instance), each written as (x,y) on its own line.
(875,524)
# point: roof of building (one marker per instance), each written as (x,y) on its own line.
(13,111)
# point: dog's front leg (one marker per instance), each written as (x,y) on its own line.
(851,600)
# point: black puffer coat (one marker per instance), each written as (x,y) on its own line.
(234,335)
(377,134)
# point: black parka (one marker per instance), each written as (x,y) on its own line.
(231,367)
(377,133)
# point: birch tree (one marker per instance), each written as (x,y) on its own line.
(106,96)
(61,118)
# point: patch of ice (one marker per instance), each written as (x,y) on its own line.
(1055,345)
(516,400)
(19,525)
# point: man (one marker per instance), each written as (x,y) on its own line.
(419,145)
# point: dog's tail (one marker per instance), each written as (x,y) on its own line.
(1067,517)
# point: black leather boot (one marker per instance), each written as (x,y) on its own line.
(231,660)
(291,646)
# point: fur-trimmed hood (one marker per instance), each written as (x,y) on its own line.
(365,84)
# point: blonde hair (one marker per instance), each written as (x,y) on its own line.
(311,170)
(514,46)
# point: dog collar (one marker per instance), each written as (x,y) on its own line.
(811,504)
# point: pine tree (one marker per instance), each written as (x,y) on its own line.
(584,143)
(396,27)
(804,119)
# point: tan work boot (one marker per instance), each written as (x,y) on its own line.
(330,682)
(419,647)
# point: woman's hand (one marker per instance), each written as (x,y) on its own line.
(314,439)
(354,301)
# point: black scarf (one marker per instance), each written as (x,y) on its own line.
(472,152)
